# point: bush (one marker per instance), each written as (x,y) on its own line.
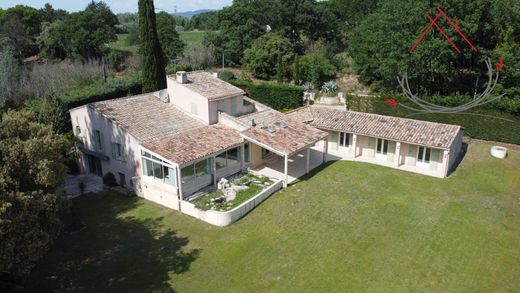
(227,75)
(116,59)
(172,68)
(109,179)
(100,91)
(82,186)
(329,87)
(281,97)
(480,123)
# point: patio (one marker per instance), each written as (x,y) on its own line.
(274,167)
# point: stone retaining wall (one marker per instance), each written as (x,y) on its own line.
(226,218)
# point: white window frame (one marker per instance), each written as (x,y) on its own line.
(118,151)
(424,159)
(380,153)
(152,158)
(345,141)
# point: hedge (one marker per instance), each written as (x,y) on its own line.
(480,123)
(278,96)
(114,87)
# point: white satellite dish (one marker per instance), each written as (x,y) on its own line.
(163,96)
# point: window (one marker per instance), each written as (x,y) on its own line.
(233,156)
(118,151)
(221,160)
(202,168)
(196,170)
(265,153)
(187,173)
(98,141)
(382,146)
(344,139)
(228,158)
(169,176)
(423,155)
(246,153)
(158,169)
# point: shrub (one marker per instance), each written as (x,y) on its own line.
(480,123)
(227,75)
(81,186)
(281,97)
(99,91)
(329,87)
(116,59)
(172,68)
(109,179)
(316,69)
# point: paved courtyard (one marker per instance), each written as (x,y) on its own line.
(93,183)
(296,164)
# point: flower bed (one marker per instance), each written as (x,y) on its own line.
(248,184)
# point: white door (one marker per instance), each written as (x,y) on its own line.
(344,142)
(381,149)
(423,157)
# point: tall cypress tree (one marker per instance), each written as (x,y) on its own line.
(153,73)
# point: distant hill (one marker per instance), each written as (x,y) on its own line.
(190,14)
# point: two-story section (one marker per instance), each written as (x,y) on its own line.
(203,95)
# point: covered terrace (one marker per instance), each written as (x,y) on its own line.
(283,144)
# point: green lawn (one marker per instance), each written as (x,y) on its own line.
(349,227)
(192,37)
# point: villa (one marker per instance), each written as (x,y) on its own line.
(171,144)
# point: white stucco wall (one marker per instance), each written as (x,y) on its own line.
(455,149)
(188,101)
(89,120)
(159,192)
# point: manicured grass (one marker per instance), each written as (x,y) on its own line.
(350,227)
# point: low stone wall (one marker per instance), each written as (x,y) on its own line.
(226,218)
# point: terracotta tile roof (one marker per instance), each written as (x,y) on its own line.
(188,146)
(284,140)
(412,131)
(209,86)
(146,117)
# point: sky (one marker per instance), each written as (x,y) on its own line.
(118,6)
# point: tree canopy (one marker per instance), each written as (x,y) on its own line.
(81,34)
(380,44)
(171,44)
(153,67)
(31,168)
(266,53)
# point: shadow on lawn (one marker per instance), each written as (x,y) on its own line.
(115,252)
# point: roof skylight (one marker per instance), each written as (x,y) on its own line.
(280,124)
(269,129)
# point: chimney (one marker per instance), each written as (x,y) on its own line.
(182,77)
(253,123)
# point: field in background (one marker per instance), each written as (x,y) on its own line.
(192,37)
(120,44)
